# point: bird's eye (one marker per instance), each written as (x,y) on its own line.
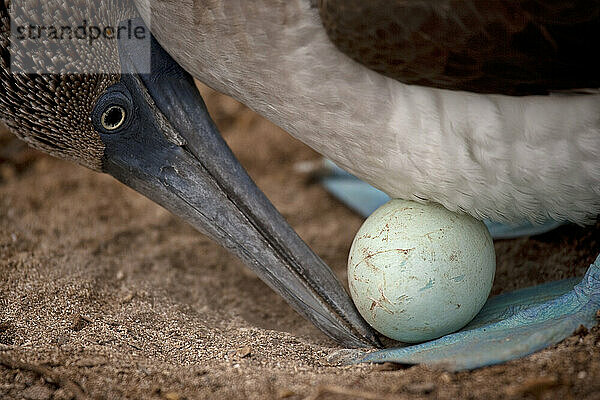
(113,117)
(113,112)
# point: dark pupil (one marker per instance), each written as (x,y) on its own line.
(113,117)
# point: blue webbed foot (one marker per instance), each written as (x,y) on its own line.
(509,326)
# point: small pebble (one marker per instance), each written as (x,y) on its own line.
(446,377)
(244,352)
(285,393)
(128,297)
(172,396)
(80,322)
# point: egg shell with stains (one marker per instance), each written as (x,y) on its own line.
(418,271)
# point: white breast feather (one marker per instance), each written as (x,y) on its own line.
(491,156)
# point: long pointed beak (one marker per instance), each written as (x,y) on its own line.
(175,155)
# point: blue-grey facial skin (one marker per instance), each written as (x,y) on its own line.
(168,149)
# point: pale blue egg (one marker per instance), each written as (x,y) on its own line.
(418,271)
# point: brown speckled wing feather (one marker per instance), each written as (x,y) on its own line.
(514,47)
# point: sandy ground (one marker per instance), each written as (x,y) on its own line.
(105,295)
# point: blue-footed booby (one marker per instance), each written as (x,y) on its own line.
(488,108)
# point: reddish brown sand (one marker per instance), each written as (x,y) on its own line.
(103,294)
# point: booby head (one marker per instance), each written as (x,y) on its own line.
(149,128)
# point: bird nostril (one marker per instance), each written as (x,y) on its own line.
(113,118)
